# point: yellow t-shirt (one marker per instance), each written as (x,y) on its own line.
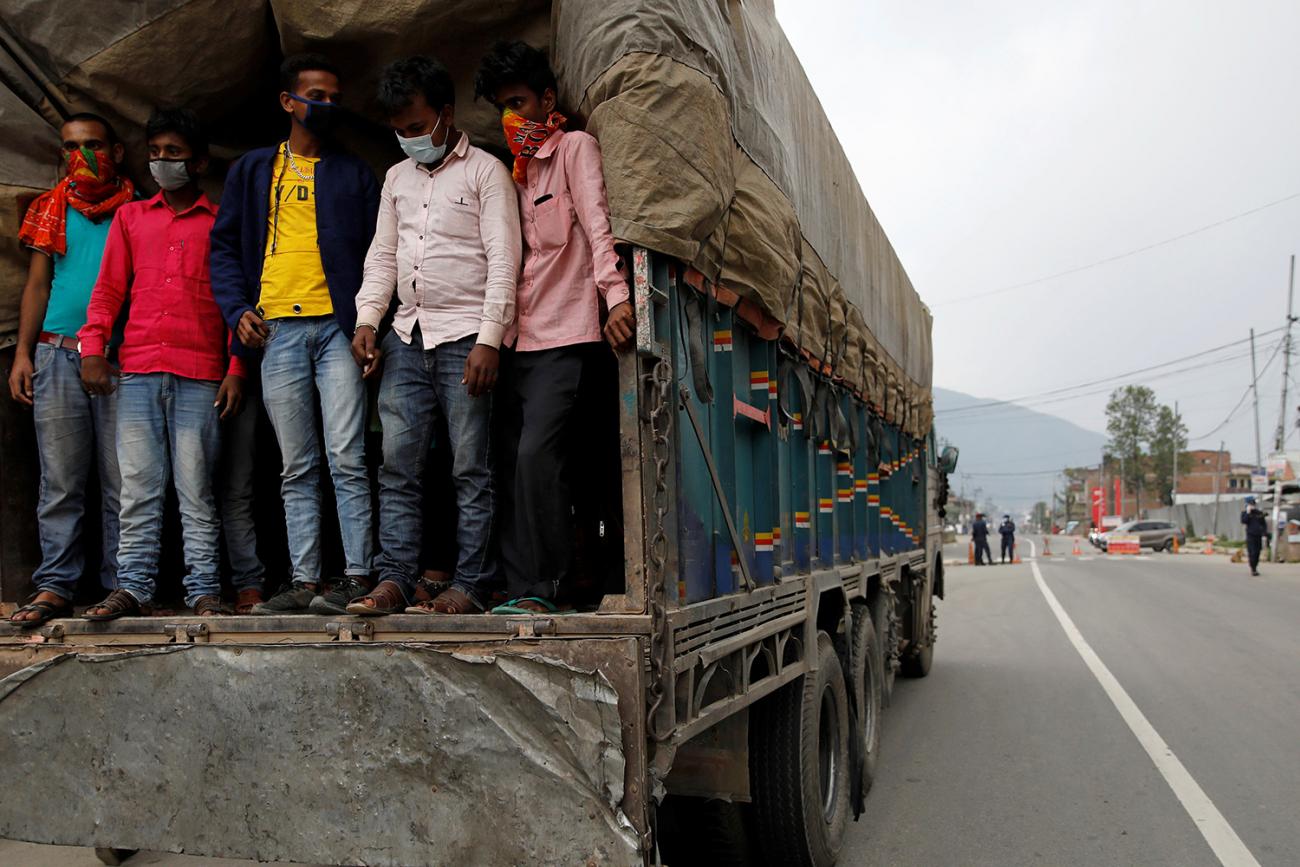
(293,279)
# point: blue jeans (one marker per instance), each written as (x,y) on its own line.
(420,388)
(167,426)
(238,452)
(308,362)
(73,431)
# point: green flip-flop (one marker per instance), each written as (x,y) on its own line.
(513,607)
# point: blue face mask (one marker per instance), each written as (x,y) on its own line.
(320,117)
(421,147)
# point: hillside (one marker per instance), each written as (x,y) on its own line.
(1004,450)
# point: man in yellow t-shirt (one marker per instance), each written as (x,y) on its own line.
(288,247)
(293,279)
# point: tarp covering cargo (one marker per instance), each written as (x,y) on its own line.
(717,150)
(327,753)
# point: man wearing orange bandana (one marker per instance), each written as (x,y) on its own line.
(66,229)
(570,272)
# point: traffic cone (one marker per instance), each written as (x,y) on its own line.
(1047,547)
(1076,552)
(970,553)
(1209,544)
(1176,545)
(1015,553)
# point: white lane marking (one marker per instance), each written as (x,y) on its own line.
(1229,848)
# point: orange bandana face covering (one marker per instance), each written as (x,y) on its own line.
(92,186)
(525,137)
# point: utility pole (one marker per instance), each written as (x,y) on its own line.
(1218,474)
(1254,388)
(1280,439)
(1173,495)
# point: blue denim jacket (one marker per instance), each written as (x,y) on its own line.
(347,204)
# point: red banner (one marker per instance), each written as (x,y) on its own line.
(1119,497)
(1098,505)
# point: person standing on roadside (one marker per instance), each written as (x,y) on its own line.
(66,229)
(1256,532)
(288,245)
(1007,529)
(979,534)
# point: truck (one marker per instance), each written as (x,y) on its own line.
(777,502)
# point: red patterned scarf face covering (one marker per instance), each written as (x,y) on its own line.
(525,137)
(92,186)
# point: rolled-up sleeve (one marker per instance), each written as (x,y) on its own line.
(503,247)
(380,275)
(587,187)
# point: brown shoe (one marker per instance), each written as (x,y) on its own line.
(209,606)
(450,601)
(246,599)
(386,598)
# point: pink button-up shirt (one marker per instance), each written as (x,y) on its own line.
(448,241)
(160,259)
(569,258)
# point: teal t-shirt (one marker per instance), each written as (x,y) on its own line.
(75,274)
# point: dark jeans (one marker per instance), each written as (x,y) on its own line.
(420,389)
(983,553)
(540,391)
(1253,546)
(1008,548)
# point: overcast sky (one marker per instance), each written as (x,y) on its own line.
(1000,142)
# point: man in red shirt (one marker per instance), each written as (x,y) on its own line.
(570,269)
(176,381)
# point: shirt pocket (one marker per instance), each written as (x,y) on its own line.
(458,216)
(554,219)
(194,258)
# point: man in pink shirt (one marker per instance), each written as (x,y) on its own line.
(570,271)
(177,380)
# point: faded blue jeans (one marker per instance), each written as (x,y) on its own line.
(308,363)
(419,389)
(167,426)
(73,432)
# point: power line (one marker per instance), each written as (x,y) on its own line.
(1106,261)
(1244,395)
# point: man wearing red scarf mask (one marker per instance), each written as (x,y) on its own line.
(66,228)
(571,277)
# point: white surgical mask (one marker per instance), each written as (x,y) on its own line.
(421,147)
(169,174)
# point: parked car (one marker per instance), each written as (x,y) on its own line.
(1156,535)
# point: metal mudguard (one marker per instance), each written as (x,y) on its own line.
(370,754)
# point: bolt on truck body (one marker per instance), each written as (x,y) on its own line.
(781,501)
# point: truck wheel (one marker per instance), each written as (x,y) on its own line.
(113,857)
(917,662)
(799,766)
(861,658)
(880,615)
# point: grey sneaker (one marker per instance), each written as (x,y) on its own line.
(292,600)
(335,600)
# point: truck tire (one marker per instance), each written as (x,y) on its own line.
(917,663)
(799,766)
(880,616)
(859,653)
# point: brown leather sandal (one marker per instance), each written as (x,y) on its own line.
(209,606)
(246,599)
(44,609)
(119,603)
(386,598)
(450,601)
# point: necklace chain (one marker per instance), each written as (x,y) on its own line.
(293,166)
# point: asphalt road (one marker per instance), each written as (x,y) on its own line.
(1011,752)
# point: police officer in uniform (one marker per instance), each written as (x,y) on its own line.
(1256,532)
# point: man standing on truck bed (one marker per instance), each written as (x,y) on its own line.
(570,268)
(66,229)
(177,381)
(287,253)
(447,240)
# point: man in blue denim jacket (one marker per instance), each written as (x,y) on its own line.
(287,253)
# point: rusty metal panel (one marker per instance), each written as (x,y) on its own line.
(364,753)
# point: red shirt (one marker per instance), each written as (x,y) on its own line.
(569,258)
(160,259)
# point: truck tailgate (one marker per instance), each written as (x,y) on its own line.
(360,753)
